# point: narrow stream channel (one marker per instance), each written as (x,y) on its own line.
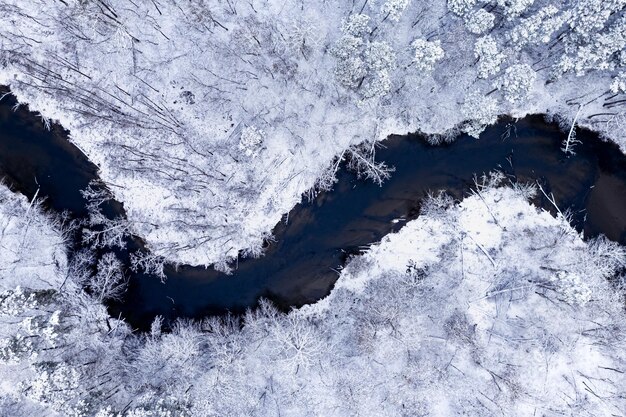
(301,266)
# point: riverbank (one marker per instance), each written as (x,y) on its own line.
(316,238)
(209,140)
(479,306)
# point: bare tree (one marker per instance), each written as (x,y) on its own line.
(109,282)
(361,159)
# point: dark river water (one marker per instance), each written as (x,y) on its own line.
(301,266)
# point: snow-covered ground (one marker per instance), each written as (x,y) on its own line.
(487,307)
(210,119)
(32,257)
(32,246)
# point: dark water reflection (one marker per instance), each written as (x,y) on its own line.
(300,267)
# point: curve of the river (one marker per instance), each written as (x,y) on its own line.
(301,266)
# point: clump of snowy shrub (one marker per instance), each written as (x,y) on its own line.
(573,287)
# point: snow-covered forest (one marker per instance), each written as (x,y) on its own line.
(487,307)
(209,119)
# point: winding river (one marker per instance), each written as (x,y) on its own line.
(301,266)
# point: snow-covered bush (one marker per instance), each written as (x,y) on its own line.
(573,287)
(14,302)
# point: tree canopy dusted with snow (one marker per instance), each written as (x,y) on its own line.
(480,21)
(251,140)
(357,25)
(598,52)
(394,9)
(426,54)
(517,82)
(363,65)
(514,8)
(479,111)
(461,7)
(489,57)
(618,85)
(537,28)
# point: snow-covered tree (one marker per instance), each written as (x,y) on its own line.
(55,384)
(350,72)
(303,37)
(570,140)
(376,87)
(461,7)
(479,111)
(600,52)
(101,230)
(588,17)
(149,262)
(361,159)
(393,9)
(513,8)
(538,28)
(357,25)
(380,56)
(251,140)
(362,65)
(517,82)
(298,341)
(618,85)
(489,56)
(480,21)
(109,282)
(426,54)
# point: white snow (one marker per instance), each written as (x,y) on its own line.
(487,307)
(163,95)
(32,248)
